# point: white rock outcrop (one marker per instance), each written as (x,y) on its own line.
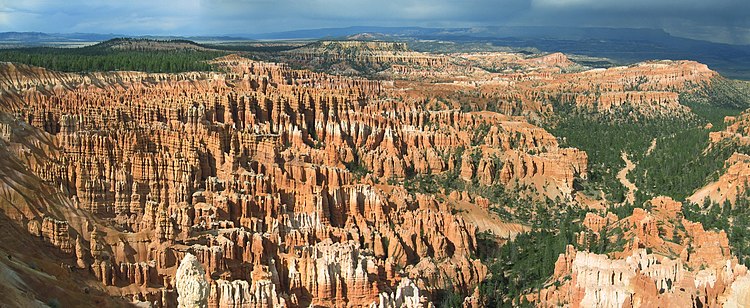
(406,296)
(190,283)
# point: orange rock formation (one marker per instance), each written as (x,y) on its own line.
(246,171)
(257,172)
(667,261)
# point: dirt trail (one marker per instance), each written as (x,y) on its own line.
(623,177)
(651,147)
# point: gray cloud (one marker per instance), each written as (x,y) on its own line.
(718,20)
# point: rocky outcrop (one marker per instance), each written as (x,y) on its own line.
(730,186)
(514,84)
(289,187)
(350,57)
(661,264)
(190,283)
(256,170)
(737,130)
(739,293)
(239,293)
(406,295)
(56,233)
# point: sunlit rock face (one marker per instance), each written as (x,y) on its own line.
(259,185)
(190,283)
(660,265)
(243,175)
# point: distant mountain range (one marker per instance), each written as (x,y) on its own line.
(622,45)
(39,38)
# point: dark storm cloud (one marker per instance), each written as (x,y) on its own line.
(718,20)
(269,16)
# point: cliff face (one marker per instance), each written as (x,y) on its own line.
(287,187)
(737,130)
(250,172)
(665,261)
(649,89)
(358,57)
(730,186)
(515,84)
(732,183)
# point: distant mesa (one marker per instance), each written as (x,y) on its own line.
(139,44)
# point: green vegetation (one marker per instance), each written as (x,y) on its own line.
(604,140)
(677,165)
(680,164)
(101,57)
(522,208)
(357,169)
(625,210)
(684,160)
(256,47)
(448,299)
(524,265)
(722,94)
(480,133)
(527,262)
(710,114)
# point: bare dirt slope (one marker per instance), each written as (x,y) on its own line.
(623,177)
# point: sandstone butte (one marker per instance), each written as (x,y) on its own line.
(127,185)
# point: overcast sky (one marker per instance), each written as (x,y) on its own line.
(716,20)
